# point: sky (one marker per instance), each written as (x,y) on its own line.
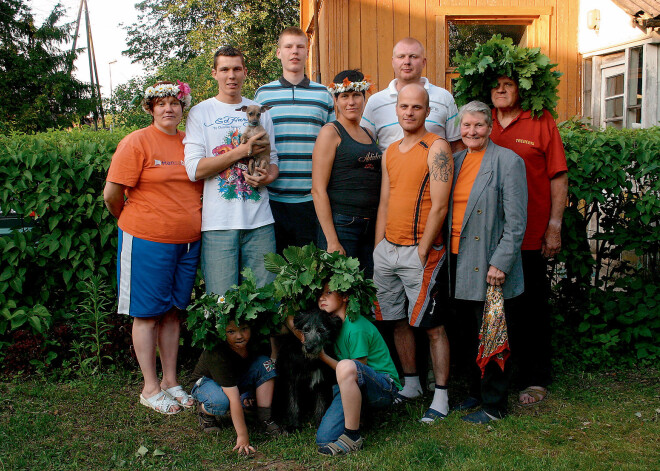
(108,36)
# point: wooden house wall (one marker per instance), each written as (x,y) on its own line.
(361,34)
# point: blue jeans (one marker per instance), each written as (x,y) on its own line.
(356,235)
(216,402)
(378,391)
(226,253)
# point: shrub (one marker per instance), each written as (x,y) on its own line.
(53,183)
(607,295)
(607,303)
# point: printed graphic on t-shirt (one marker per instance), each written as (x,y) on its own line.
(231,184)
(370,161)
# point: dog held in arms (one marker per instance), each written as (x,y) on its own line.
(303,390)
(254,127)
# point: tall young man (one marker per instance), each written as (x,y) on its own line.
(409,253)
(408,62)
(300,108)
(237,224)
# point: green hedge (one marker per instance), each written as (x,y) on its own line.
(607,303)
(606,312)
(53,182)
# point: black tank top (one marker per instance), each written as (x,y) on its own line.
(354,186)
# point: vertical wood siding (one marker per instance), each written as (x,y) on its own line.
(361,34)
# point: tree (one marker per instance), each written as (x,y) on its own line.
(37,90)
(182,30)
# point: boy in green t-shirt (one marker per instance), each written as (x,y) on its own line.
(365,372)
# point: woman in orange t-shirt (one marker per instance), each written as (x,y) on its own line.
(487,219)
(159,216)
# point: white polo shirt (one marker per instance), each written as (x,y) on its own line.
(380,115)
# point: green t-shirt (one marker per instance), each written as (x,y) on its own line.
(360,338)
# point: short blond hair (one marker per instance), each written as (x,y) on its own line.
(410,40)
(291,31)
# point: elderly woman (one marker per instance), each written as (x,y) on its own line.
(346,175)
(486,219)
(159,215)
(537,141)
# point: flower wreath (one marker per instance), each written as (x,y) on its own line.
(348,86)
(181,91)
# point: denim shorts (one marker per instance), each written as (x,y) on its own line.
(378,391)
(216,402)
(226,253)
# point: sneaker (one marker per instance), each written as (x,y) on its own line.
(270,427)
(208,423)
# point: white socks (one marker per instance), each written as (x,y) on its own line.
(411,388)
(440,400)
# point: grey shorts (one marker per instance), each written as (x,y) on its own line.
(399,275)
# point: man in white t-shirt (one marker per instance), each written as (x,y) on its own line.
(237,224)
(408,61)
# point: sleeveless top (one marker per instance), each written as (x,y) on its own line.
(410,194)
(354,185)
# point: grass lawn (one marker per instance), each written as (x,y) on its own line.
(600,421)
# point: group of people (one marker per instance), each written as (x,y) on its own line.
(374,179)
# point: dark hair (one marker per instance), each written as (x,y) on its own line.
(293,31)
(228,51)
(353,75)
(149,103)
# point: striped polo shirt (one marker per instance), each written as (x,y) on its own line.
(298,112)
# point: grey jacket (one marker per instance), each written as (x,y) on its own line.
(493,225)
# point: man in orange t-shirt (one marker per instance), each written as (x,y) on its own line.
(409,253)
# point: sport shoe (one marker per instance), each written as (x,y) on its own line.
(270,427)
(208,423)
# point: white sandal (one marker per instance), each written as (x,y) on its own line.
(161,403)
(179,394)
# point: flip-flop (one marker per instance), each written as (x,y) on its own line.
(161,403)
(179,395)
(537,394)
(431,415)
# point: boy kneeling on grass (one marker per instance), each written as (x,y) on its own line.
(365,373)
(228,378)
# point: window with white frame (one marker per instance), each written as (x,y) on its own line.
(620,89)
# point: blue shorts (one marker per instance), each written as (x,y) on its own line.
(153,277)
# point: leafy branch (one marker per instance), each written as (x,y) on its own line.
(498,57)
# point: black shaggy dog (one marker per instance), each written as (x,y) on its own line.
(303,389)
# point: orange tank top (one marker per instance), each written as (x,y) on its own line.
(410,194)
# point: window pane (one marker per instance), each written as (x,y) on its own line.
(614,124)
(464,37)
(614,108)
(635,76)
(614,85)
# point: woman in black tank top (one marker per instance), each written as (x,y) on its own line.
(346,175)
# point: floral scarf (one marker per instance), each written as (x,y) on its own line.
(493,337)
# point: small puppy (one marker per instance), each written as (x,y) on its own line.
(254,127)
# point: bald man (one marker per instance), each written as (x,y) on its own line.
(417,177)
(408,62)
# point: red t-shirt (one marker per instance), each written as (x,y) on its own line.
(162,204)
(537,141)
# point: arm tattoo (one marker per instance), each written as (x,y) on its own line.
(442,167)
